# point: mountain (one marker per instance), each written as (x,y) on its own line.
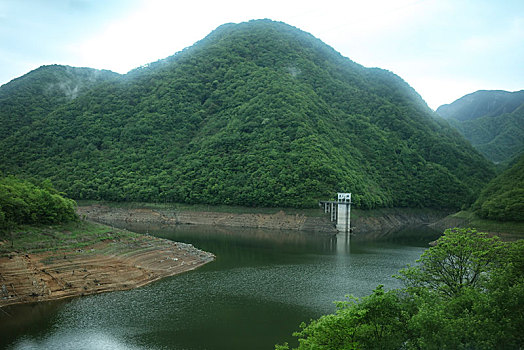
(493,121)
(258,114)
(503,198)
(34,95)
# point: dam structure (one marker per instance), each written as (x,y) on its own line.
(340,211)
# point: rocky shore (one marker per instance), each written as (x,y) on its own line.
(110,265)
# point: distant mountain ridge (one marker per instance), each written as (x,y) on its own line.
(493,121)
(259,114)
(482,103)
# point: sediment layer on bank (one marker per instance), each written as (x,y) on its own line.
(279,220)
(394,219)
(378,220)
(110,265)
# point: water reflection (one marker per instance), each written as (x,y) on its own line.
(261,286)
(86,340)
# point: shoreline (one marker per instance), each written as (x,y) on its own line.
(110,265)
(363,222)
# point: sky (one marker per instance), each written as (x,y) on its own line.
(444,49)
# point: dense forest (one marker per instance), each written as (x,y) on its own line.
(492,120)
(24,202)
(255,114)
(33,96)
(503,198)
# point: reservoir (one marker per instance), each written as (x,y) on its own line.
(256,293)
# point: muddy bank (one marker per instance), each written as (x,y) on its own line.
(363,222)
(110,265)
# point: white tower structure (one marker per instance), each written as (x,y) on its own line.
(340,211)
(343,212)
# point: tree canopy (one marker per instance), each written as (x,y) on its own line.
(467,292)
(22,202)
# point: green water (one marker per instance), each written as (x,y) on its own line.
(261,286)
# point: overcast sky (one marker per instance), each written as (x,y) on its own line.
(443,48)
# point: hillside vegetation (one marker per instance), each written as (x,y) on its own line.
(33,96)
(493,121)
(503,198)
(256,114)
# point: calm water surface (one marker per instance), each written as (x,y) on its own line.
(261,286)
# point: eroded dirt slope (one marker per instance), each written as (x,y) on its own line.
(105,266)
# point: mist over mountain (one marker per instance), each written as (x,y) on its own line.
(492,120)
(39,92)
(257,113)
(482,103)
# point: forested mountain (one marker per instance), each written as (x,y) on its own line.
(258,114)
(493,121)
(34,95)
(503,198)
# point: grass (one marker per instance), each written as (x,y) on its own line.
(71,236)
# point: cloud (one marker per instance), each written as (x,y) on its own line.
(460,42)
(34,33)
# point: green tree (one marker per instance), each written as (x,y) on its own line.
(460,259)
(22,202)
(503,197)
(377,321)
(467,292)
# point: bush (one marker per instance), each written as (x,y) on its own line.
(22,202)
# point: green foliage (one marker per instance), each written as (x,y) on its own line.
(467,292)
(493,121)
(34,95)
(503,198)
(460,260)
(22,202)
(255,114)
(373,322)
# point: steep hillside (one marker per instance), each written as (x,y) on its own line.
(258,114)
(503,198)
(34,95)
(493,121)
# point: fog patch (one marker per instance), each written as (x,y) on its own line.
(69,91)
(294,71)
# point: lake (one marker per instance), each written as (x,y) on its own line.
(256,293)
